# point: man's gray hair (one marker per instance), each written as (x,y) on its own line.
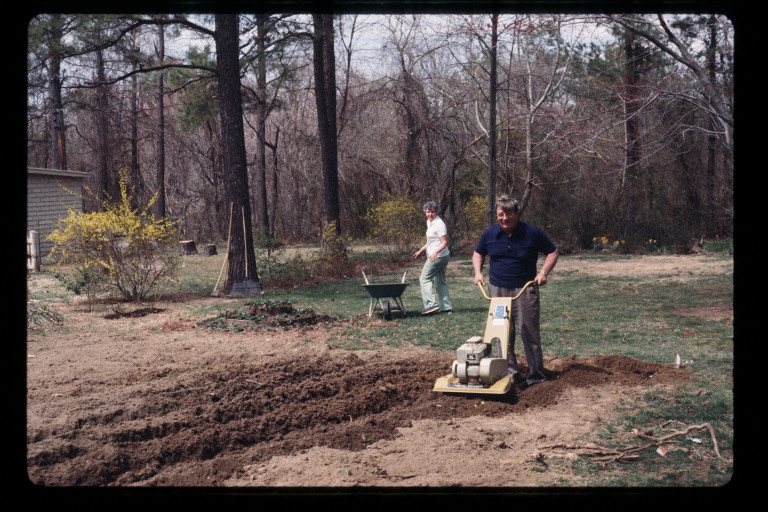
(508,204)
(430,205)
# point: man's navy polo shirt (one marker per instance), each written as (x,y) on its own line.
(513,259)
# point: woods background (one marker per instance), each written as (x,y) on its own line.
(614,126)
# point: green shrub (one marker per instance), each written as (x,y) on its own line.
(86,278)
(268,254)
(332,258)
(719,245)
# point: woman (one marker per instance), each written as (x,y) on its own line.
(434,285)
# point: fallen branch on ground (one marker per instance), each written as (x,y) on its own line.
(687,431)
(604,454)
(38,315)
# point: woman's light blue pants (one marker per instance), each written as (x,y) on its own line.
(434,285)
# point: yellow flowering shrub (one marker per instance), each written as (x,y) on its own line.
(397,223)
(134,251)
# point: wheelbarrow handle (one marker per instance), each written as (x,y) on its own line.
(485,294)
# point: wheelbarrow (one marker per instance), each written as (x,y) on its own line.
(379,292)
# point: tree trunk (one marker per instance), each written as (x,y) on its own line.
(160,204)
(325,98)
(491,211)
(275,196)
(413,122)
(629,192)
(260,197)
(210,250)
(632,138)
(528,185)
(58,146)
(107,185)
(187,247)
(235,173)
(221,222)
(709,216)
(134,177)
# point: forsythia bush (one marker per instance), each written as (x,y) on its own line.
(397,223)
(134,251)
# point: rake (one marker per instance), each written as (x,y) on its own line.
(247,288)
(215,292)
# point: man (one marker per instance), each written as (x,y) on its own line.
(513,248)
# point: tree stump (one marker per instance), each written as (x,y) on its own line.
(187,247)
(209,250)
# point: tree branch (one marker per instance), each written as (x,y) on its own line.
(606,454)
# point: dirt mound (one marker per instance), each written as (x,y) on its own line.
(137,313)
(259,316)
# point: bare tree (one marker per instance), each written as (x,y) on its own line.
(47,49)
(711,95)
(538,86)
(273,34)
(324,61)
(260,194)
(106,171)
(59,149)
(160,204)
(492,107)
(134,176)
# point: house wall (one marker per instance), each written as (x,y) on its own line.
(49,192)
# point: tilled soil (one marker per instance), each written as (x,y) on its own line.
(155,399)
(202,409)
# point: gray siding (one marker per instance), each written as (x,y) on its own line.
(47,201)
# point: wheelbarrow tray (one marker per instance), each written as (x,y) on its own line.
(381,291)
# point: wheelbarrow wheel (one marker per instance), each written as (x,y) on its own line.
(386,310)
